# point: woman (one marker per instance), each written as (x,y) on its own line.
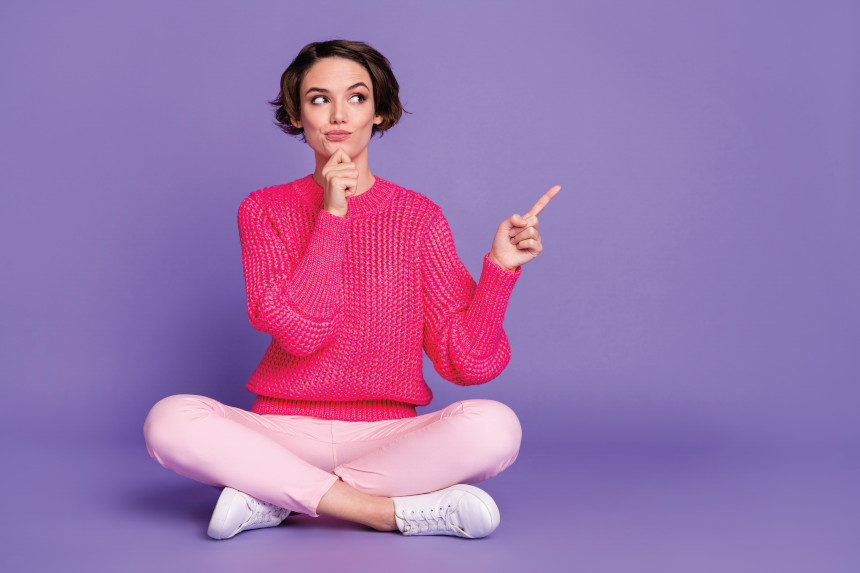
(352,275)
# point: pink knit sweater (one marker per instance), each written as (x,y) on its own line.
(351,301)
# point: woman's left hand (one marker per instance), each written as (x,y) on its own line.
(517,241)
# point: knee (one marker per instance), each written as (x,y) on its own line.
(167,421)
(495,425)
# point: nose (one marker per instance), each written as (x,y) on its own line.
(338,113)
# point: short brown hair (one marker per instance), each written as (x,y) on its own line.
(385,87)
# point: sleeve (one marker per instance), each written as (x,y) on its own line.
(463,333)
(299,306)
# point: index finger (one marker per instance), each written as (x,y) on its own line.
(542,202)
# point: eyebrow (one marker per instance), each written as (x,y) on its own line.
(353,86)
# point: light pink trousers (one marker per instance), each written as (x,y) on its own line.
(292,461)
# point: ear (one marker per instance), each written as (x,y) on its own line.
(296,123)
(377,119)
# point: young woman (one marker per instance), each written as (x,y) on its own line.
(352,275)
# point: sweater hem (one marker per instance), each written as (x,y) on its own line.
(351,411)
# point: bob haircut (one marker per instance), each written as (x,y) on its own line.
(385,87)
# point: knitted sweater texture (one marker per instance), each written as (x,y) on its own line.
(350,302)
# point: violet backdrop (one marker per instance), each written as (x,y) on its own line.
(698,289)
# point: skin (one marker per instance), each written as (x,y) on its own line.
(342,170)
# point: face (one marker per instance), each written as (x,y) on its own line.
(337,94)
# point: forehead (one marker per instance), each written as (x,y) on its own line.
(335,73)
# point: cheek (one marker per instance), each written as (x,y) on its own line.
(312,120)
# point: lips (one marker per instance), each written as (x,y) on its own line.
(337,135)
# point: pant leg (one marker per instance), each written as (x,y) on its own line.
(466,442)
(205,440)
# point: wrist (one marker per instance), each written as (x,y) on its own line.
(499,263)
(334,212)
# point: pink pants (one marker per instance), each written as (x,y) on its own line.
(292,460)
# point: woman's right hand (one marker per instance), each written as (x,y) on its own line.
(341,181)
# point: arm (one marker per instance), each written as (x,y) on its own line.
(463,333)
(300,307)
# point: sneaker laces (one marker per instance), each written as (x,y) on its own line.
(265,512)
(436,518)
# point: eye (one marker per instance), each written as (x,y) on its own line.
(360,96)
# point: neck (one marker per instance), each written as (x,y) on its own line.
(365,177)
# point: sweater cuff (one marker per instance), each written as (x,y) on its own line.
(487,310)
(317,278)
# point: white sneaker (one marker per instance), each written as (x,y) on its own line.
(237,511)
(461,509)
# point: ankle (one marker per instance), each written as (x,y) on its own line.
(383,513)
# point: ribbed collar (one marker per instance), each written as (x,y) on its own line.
(358,206)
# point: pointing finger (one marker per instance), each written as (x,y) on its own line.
(542,202)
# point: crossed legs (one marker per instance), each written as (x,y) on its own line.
(292,461)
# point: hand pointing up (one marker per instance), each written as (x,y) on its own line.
(517,241)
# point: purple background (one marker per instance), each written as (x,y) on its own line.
(684,351)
